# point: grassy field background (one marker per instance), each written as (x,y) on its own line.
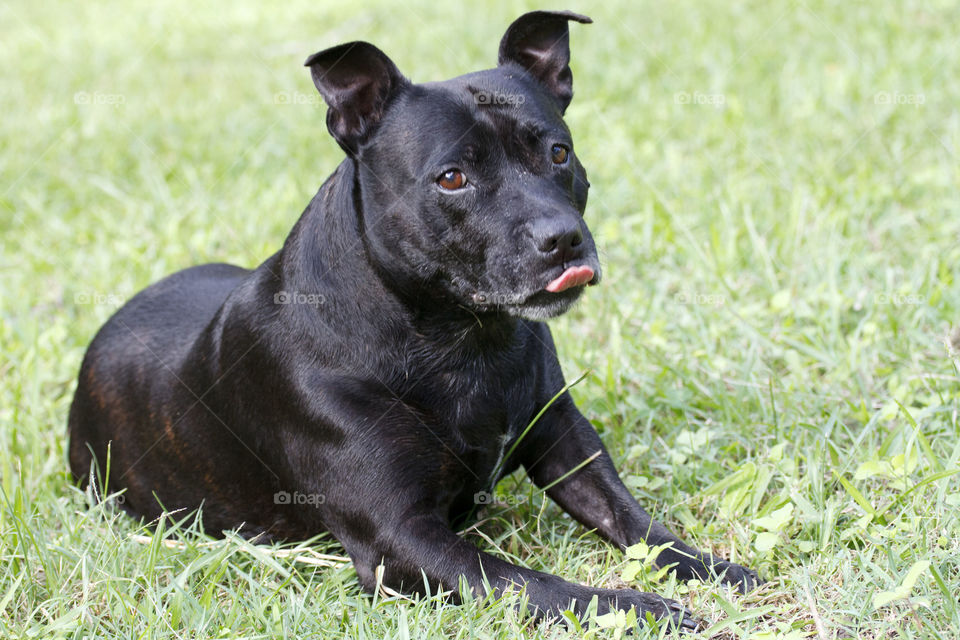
(774,350)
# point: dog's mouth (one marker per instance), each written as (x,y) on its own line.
(548,301)
(572,277)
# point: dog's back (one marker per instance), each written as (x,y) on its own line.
(144,344)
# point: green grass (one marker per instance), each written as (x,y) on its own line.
(775,195)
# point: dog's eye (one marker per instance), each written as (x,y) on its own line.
(452,180)
(558,153)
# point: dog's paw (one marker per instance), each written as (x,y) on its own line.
(660,608)
(707,567)
(735,575)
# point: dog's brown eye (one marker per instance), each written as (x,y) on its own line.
(558,153)
(452,180)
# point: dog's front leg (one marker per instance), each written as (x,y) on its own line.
(596,497)
(385,494)
(422,546)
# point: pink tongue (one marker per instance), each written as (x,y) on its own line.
(572,277)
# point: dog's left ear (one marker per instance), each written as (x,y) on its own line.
(357,81)
(539,42)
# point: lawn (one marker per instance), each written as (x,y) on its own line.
(774,353)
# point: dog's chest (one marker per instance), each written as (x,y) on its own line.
(481,418)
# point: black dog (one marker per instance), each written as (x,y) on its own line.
(382,368)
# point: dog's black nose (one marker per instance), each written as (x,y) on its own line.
(552,235)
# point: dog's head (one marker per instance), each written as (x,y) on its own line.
(469,189)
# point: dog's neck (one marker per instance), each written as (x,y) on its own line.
(328,250)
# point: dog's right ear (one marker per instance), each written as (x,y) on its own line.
(357,81)
(539,42)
